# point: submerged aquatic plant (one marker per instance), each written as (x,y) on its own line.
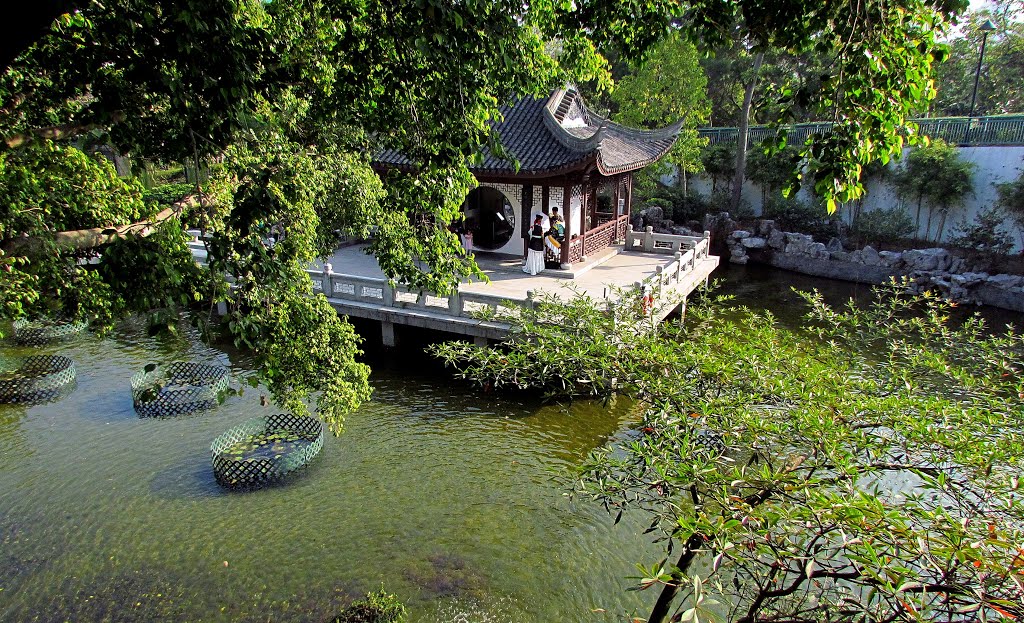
(378,607)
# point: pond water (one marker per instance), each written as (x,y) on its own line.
(445,496)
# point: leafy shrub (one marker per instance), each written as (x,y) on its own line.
(171,173)
(721,201)
(935,175)
(656,202)
(986,236)
(1011,199)
(679,206)
(168,193)
(883,226)
(152,176)
(799,216)
(379,607)
(691,207)
(771,171)
(720,164)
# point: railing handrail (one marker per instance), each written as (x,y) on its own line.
(609,224)
(990,130)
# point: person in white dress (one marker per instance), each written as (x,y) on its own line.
(535,254)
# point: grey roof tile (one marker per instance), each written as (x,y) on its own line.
(539,135)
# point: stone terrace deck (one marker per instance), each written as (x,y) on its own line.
(668,265)
(671,267)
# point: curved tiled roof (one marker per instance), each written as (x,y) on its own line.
(560,134)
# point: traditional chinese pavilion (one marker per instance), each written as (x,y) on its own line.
(569,158)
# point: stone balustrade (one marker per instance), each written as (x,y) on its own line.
(649,242)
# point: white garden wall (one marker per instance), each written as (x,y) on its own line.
(994,164)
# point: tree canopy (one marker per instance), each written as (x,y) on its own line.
(285,102)
(1001,71)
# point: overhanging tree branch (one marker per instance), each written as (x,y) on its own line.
(58,132)
(81,239)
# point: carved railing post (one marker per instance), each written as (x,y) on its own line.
(679,265)
(387,294)
(648,239)
(328,286)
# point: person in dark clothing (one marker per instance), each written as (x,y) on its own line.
(535,255)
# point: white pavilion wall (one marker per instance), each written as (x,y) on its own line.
(575,213)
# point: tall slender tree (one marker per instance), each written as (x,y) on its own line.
(667,88)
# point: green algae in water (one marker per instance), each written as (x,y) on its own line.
(270,445)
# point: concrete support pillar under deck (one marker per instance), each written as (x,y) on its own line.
(387,334)
(480,342)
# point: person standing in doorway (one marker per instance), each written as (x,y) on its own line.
(557,225)
(535,255)
(466,234)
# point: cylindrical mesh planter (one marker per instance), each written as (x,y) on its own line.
(39,378)
(177,389)
(265,450)
(39,332)
(710,441)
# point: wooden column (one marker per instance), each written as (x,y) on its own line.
(584,207)
(616,196)
(629,194)
(615,204)
(588,206)
(527,212)
(567,217)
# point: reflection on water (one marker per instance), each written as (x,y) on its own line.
(444,495)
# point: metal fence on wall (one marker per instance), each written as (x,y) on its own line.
(1002,130)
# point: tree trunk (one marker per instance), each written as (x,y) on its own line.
(668,594)
(942,225)
(741,139)
(917,219)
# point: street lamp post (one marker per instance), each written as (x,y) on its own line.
(986,27)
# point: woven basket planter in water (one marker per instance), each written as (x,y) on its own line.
(39,332)
(39,378)
(265,450)
(177,389)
